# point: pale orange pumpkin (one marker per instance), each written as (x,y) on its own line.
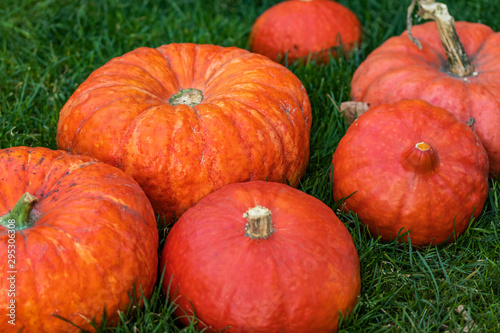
(301,28)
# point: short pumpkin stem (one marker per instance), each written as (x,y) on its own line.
(20,214)
(191,97)
(459,62)
(259,224)
(421,158)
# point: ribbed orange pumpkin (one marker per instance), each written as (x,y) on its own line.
(398,69)
(411,166)
(299,28)
(76,246)
(261,257)
(186,119)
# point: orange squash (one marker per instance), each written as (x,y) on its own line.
(301,28)
(261,257)
(411,166)
(186,119)
(77,236)
(463,78)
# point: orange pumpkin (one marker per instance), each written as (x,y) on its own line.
(411,166)
(261,257)
(81,237)
(299,28)
(464,79)
(186,119)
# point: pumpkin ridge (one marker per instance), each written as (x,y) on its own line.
(2,192)
(381,77)
(300,107)
(394,54)
(71,247)
(387,77)
(244,143)
(129,130)
(276,131)
(171,68)
(128,63)
(270,96)
(36,295)
(47,158)
(78,102)
(134,79)
(479,58)
(122,207)
(56,183)
(209,166)
(87,117)
(428,54)
(218,69)
(193,67)
(4,198)
(96,111)
(227,81)
(167,59)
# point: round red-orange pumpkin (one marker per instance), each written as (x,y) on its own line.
(86,239)
(398,69)
(186,119)
(261,257)
(411,166)
(299,28)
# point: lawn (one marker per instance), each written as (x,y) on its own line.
(48,48)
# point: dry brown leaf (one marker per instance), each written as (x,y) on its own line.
(352,110)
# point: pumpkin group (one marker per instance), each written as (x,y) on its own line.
(261,257)
(300,28)
(186,119)
(411,166)
(398,69)
(83,240)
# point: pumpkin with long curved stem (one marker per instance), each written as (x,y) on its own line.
(411,166)
(261,257)
(186,119)
(301,28)
(457,69)
(79,239)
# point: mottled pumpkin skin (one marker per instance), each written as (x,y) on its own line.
(399,70)
(253,123)
(296,280)
(299,28)
(95,236)
(396,187)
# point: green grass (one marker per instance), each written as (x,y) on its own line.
(48,47)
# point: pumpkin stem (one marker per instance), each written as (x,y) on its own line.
(191,97)
(421,158)
(259,223)
(459,62)
(19,216)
